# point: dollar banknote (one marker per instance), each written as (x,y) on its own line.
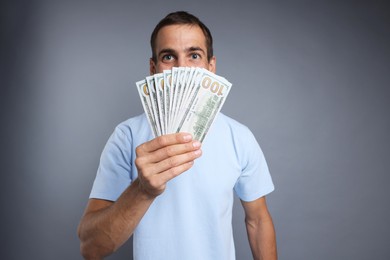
(143,92)
(167,96)
(183,99)
(209,97)
(153,101)
(159,86)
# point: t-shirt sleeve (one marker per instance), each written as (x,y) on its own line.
(255,180)
(114,172)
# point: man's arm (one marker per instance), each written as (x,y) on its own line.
(260,229)
(106,225)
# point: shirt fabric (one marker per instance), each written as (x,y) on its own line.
(192,218)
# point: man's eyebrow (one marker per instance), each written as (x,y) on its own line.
(165,51)
(195,48)
(172,51)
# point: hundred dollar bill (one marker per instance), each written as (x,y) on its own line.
(207,101)
(175,73)
(183,100)
(179,89)
(188,86)
(143,92)
(192,82)
(159,85)
(184,78)
(167,96)
(154,104)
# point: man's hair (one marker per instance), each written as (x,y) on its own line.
(181,18)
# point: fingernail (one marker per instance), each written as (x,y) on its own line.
(196,144)
(198,152)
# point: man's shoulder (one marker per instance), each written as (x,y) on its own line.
(133,122)
(134,125)
(232,124)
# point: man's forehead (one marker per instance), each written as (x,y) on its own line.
(180,26)
(176,32)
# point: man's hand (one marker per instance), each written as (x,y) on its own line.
(106,225)
(164,158)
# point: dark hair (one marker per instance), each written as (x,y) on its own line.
(181,17)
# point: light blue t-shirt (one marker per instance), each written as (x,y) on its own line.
(192,219)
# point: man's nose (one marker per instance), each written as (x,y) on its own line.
(181,62)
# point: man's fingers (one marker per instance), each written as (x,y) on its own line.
(164,158)
(173,150)
(156,184)
(163,141)
(175,171)
(175,161)
(148,169)
(155,176)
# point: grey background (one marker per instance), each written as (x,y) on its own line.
(311,80)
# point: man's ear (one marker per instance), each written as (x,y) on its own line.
(213,64)
(152,67)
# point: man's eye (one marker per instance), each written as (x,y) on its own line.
(195,56)
(167,57)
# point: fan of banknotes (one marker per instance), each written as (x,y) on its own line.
(183,99)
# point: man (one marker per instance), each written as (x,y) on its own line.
(173,195)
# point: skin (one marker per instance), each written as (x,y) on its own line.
(181,46)
(106,225)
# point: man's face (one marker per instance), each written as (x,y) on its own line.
(181,46)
